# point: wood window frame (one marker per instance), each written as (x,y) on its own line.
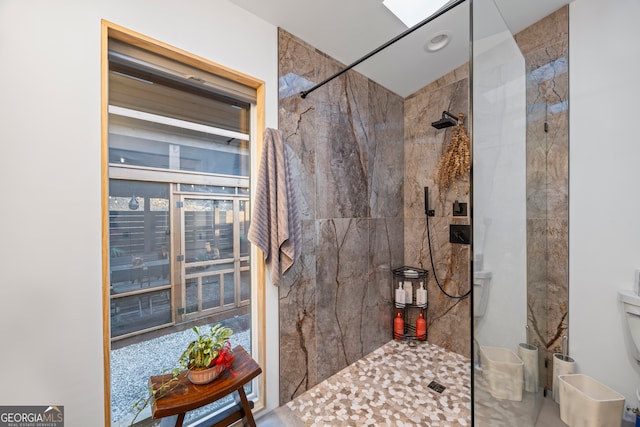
(110,30)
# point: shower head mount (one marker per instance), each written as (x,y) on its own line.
(446,121)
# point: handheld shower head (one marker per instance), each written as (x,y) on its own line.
(446,121)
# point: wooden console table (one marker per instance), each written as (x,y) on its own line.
(187,396)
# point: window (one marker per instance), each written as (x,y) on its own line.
(177,143)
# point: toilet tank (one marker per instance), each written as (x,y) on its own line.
(631,305)
(481,285)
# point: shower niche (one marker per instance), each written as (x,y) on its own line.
(410,310)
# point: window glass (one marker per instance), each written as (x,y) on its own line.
(136,142)
(244,223)
(178,212)
(139,230)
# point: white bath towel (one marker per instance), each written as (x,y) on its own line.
(275,227)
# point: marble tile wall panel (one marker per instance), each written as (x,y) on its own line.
(385,253)
(537,283)
(536,154)
(342,157)
(297,322)
(544,32)
(386,154)
(548,102)
(558,166)
(545,48)
(341,284)
(345,142)
(448,320)
(297,118)
(557,287)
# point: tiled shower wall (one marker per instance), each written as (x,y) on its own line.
(448,319)
(362,156)
(545,47)
(345,143)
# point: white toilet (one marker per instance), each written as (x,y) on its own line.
(631,302)
(481,282)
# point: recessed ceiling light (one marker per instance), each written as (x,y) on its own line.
(410,12)
(438,41)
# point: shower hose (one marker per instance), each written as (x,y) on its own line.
(433,268)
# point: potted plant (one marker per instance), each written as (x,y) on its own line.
(204,359)
(208,355)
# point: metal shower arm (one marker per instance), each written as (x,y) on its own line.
(446,113)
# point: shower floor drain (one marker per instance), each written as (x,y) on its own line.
(436,386)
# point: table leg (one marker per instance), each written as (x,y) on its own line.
(180,419)
(245,407)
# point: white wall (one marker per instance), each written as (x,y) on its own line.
(50,232)
(604,237)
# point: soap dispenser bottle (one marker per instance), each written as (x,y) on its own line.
(398,327)
(421,327)
(400,296)
(408,288)
(421,296)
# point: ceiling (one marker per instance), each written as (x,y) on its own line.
(349,29)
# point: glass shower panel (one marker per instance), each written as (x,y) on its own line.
(499,220)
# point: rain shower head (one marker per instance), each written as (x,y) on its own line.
(446,121)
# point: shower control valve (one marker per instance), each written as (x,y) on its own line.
(459,208)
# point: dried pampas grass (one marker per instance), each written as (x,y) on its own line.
(455,163)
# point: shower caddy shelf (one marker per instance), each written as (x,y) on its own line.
(410,312)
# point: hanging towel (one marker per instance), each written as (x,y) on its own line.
(275,227)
